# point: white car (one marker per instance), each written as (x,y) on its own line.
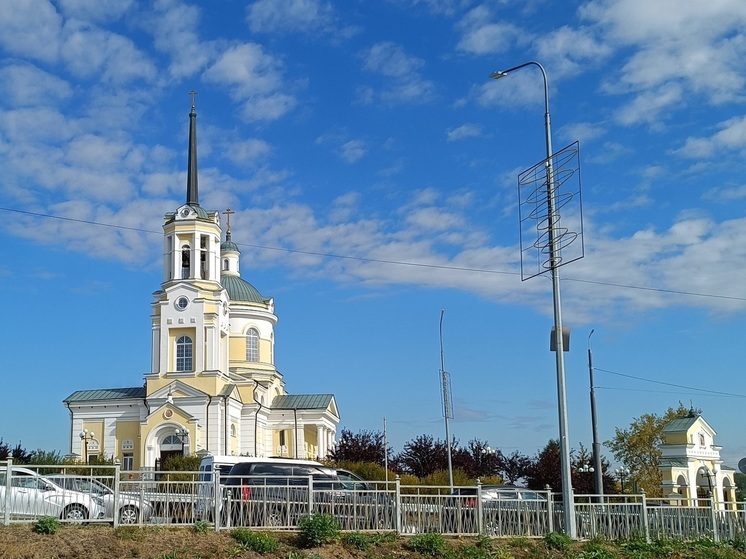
(127,506)
(32,496)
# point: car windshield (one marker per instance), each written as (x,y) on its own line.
(82,484)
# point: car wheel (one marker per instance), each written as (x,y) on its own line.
(128,515)
(75,512)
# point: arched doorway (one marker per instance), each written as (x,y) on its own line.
(171,445)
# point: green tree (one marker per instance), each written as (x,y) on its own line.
(514,467)
(364,446)
(638,447)
(545,469)
(422,456)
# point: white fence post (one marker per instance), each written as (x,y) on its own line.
(8,472)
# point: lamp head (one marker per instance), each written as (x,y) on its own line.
(497,74)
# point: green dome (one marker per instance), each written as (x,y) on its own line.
(240,290)
(229,245)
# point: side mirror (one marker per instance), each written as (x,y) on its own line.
(48,487)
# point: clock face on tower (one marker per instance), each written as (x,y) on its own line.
(185,212)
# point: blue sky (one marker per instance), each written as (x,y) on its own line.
(372,166)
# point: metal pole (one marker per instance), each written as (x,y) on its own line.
(446,402)
(567,491)
(599,479)
(385,454)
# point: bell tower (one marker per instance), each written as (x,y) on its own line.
(189,322)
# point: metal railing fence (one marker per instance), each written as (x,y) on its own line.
(95,494)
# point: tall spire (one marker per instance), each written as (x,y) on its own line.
(192,190)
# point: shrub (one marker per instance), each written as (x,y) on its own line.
(356,540)
(201,527)
(317,530)
(46,525)
(261,542)
(431,544)
(557,540)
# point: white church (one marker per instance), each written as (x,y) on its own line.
(213,386)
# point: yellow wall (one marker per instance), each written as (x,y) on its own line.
(173,335)
(128,430)
(97,427)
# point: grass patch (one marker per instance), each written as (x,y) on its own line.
(432,544)
(260,542)
(317,529)
(46,525)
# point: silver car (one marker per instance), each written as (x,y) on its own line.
(29,495)
(127,507)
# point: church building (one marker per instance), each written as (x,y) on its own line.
(213,386)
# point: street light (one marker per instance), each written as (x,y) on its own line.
(183,436)
(85,437)
(599,481)
(622,473)
(704,471)
(567,492)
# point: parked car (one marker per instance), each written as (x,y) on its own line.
(209,466)
(275,492)
(126,506)
(271,491)
(33,496)
(506,510)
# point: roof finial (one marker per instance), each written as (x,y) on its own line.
(228,213)
(192,188)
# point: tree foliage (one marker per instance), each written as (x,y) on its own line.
(364,446)
(514,467)
(545,469)
(638,447)
(19,454)
(422,456)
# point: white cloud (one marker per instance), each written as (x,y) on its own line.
(353,151)
(247,152)
(464,131)
(731,136)
(31,28)
(90,51)
(27,85)
(288,16)
(403,82)
(581,131)
(693,46)
(481,35)
(174,27)
(650,106)
(571,51)
(96,10)
(255,78)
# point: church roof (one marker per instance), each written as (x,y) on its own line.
(680,425)
(106,394)
(302,401)
(229,245)
(241,290)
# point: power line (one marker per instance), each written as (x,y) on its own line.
(696,390)
(385,261)
(716,392)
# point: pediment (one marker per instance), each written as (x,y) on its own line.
(177,389)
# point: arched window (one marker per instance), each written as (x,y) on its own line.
(252,345)
(186,258)
(184,354)
(225,265)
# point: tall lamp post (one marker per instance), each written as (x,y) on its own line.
(183,436)
(599,480)
(85,437)
(567,492)
(622,473)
